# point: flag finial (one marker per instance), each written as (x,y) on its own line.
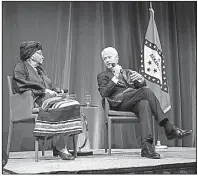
(151,5)
(151,8)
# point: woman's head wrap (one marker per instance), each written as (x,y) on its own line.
(28,48)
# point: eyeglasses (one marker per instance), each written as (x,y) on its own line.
(40,53)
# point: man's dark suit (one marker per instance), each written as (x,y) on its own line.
(141,101)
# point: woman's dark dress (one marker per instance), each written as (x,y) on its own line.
(57,115)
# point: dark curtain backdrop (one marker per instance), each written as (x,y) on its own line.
(73,35)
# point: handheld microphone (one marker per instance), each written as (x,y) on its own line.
(113,64)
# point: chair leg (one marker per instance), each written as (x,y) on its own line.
(36,148)
(106,137)
(109,136)
(153,129)
(9,138)
(43,147)
(74,146)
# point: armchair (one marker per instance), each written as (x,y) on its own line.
(22,110)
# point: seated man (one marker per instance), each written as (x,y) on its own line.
(136,98)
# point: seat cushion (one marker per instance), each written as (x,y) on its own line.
(121,113)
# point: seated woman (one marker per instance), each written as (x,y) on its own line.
(29,75)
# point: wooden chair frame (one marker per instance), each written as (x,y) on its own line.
(119,117)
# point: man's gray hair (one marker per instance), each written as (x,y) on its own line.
(109,50)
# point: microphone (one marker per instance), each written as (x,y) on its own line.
(113,64)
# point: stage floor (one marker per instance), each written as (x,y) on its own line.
(121,161)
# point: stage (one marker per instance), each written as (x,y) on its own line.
(174,160)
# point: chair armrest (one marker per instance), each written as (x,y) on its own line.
(21,106)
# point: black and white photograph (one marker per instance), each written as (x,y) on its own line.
(99,87)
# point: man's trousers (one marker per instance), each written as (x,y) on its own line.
(144,104)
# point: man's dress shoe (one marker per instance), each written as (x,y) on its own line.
(177,133)
(149,152)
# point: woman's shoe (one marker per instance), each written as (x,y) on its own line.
(65,156)
(61,154)
(68,154)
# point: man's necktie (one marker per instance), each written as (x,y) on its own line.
(121,81)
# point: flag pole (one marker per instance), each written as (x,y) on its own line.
(158,146)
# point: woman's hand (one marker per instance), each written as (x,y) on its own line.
(62,91)
(51,92)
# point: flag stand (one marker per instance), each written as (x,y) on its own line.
(158,146)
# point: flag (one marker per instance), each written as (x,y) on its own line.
(152,65)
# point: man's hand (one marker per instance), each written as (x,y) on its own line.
(116,70)
(53,93)
(136,76)
(115,79)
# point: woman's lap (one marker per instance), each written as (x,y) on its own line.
(58,116)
